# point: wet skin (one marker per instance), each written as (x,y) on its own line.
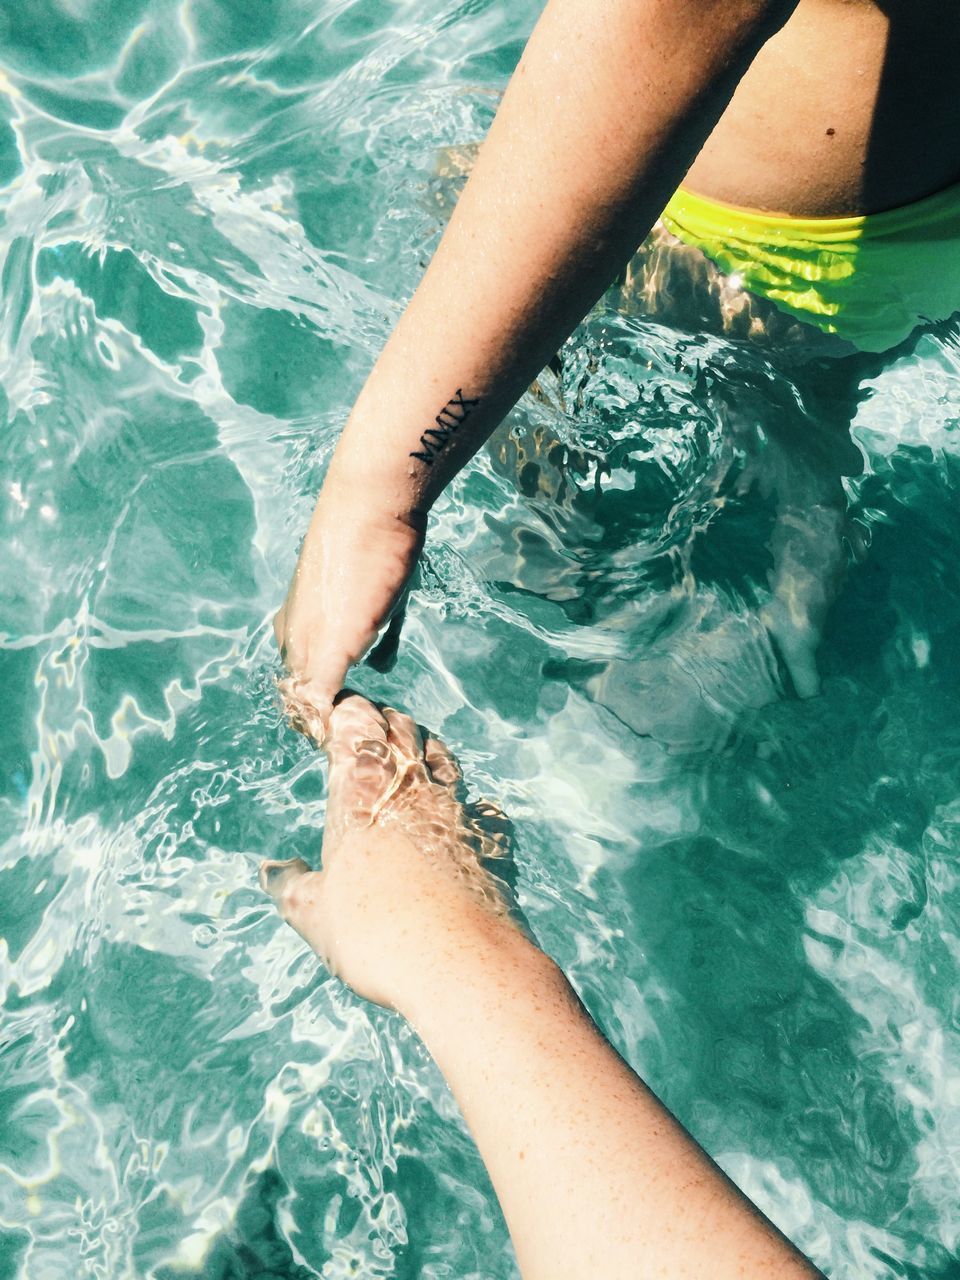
(821,107)
(402,857)
(405,912)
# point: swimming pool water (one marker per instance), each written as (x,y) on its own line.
(211,216)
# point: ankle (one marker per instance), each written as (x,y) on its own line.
(482,960)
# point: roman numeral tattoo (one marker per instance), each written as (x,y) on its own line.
(449,421)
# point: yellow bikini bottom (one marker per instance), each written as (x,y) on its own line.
(870,279)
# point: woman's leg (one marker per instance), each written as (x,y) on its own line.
(594,1175)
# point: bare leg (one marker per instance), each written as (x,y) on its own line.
(808,565)
(595,1177)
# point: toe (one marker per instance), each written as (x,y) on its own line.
(276,875)
(404,734)
(354,718)
(362,763)
(492,827)
(441,763)
(356,728)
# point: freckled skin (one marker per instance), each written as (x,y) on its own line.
(595,1177)
(613,103)
(401,855)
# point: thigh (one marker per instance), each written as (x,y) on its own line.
(676,284)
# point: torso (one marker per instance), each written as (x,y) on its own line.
(852,107)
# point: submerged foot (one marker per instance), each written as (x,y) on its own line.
(688,689)
(797,640)
(402,858)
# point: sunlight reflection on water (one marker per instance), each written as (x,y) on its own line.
(211,217)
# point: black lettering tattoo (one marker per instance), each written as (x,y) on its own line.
(449,421)
(441,436)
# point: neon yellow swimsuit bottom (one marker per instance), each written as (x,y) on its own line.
(870,279)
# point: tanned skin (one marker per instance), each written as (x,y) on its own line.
(817,108)
(594,1175)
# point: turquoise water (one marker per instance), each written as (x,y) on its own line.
(211,216)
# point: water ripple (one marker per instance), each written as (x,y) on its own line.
(209,218)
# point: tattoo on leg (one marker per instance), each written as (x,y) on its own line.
(449,421)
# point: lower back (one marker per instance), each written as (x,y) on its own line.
(850,108)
